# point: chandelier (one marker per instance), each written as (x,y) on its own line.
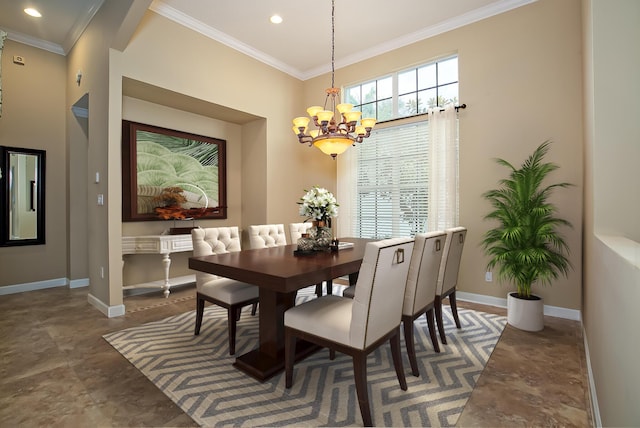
(336,123)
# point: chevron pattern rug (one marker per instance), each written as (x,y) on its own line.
(196,373)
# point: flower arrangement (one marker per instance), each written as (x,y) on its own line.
(318,204)
(171,196)
(172,199)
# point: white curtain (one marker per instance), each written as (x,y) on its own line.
(345,192)
(443,181)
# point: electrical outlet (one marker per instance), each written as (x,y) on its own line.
(488,276)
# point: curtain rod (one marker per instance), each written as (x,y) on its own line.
(463,106)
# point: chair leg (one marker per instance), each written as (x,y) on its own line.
(332,354)
(407,325)
(438,307)
(397,359)
(289,357)
(232,316)
(253,309)
(432,329)
(199,314)
(360,374)
(319,290)
(329,286)
(454,307)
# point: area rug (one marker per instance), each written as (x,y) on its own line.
(196,373)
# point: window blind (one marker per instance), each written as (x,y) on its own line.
(390,194)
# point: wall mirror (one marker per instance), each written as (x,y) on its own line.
(22,191)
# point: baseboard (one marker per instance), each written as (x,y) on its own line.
(552,311)
(78,283)
(109,311)
(32,286)
(595,409)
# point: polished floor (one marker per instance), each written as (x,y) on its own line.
(57,371)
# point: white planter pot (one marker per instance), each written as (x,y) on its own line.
(525,314)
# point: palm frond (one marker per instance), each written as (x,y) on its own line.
(526,245)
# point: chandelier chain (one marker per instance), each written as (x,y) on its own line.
(333,42)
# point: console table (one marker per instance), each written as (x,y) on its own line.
(163,245)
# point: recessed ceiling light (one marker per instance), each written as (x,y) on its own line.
(32,12)
(276,19)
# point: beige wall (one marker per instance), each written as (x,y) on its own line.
(520,90)
(91,54)
(521,77)
(612,207)
(138,269)
(33,116)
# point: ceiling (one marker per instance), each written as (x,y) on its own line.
(299,46)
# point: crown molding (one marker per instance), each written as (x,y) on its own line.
(35,42)
(80,25)
(488,11)
(425,33)
(200,27)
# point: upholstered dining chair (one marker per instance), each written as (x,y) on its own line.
(228,293)
(297,229)
(295,232)
(448,276)
(360,325)
(420,291)
(267,235)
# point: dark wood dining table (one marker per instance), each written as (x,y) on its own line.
(279,274)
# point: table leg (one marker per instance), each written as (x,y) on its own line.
(166,263)
(268,359)
(353,278)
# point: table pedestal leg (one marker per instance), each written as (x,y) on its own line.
(268,359)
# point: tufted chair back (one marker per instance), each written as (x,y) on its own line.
(379,294)
(267,235)
(213,240)
(297,229)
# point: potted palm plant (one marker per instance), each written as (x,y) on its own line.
(526,245)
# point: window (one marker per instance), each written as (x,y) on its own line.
(403,179)
(391,188)
(407,93)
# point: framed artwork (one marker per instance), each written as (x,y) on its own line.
(169,174)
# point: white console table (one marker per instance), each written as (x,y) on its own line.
(163,245)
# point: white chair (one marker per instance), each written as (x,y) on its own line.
(360,325)
(295,232)
(420,291)
(448,276)
(297,229)
(228,293)
(267,235)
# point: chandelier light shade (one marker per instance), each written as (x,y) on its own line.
(336,124)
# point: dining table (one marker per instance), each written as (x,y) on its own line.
(280,272)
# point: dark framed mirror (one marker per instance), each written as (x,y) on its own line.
(22,192)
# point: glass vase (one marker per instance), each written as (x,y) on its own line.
(306,244)
(322,235)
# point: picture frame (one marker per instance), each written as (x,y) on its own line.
(157,161)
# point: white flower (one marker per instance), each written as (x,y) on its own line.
(318,204)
